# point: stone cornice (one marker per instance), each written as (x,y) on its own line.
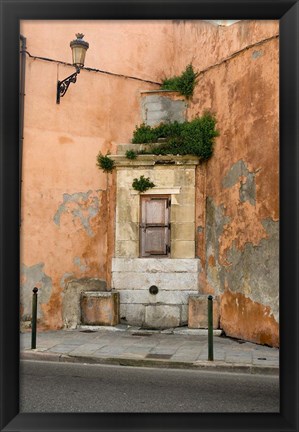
(154,160)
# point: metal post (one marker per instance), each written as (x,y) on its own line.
(210,328)
(34,318)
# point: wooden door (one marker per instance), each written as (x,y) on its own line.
(155,226)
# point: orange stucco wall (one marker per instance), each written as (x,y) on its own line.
(238,226)
(68,204)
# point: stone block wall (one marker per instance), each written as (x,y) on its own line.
(162,106)
(177,180)
(176,280)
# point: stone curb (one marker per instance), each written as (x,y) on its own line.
(126,361)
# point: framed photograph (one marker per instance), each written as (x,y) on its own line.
(149,184)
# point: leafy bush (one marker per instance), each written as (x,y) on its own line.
(195,137)
(105,162)
(142,184)
(184,83)
(131,154)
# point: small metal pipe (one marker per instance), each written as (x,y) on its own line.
(21,114)
(210,329)
(34,318)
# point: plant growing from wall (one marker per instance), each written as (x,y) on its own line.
(195,137)
(131,154)
(183,83)
(105,162)
(142,184)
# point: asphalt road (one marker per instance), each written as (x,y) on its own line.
(67,387)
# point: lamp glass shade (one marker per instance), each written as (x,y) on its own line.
(78,55)
(79,48)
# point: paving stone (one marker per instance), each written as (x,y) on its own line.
(109,351)
(86,349)
(123,344)
(160,350)
(238,359)
(63,348)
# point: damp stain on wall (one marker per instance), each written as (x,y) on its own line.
(241,317)
(251,272)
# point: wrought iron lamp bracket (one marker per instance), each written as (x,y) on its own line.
(62,86)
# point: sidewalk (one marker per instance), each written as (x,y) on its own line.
(129,346)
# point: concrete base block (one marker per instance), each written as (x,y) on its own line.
(71,312)
(162,316)
(198,312)
(100,308)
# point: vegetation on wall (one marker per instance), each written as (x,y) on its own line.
(131,154)
(184,83)
(105,162)
(142,184)
(194,138)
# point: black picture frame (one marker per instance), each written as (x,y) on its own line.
(11,13)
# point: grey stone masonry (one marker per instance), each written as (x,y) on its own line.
(162,106)
(176,280)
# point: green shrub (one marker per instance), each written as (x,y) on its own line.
(142,184)
(184,83)
(105,162)
(146,134)
(195,137)
(131,154)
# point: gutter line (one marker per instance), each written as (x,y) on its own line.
(21,114)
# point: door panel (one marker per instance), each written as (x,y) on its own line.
(154,227)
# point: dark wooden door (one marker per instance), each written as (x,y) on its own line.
(155,226)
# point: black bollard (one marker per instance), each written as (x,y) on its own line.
(210,328)
(34,318)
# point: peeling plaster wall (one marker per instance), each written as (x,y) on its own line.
(238,234)
(68,205)
(31,277)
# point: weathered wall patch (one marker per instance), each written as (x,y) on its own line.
(83,206)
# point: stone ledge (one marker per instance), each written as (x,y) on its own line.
(158,190)
(152,160)
(156,265)
(164,92)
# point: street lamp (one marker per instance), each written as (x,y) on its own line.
(79,48)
